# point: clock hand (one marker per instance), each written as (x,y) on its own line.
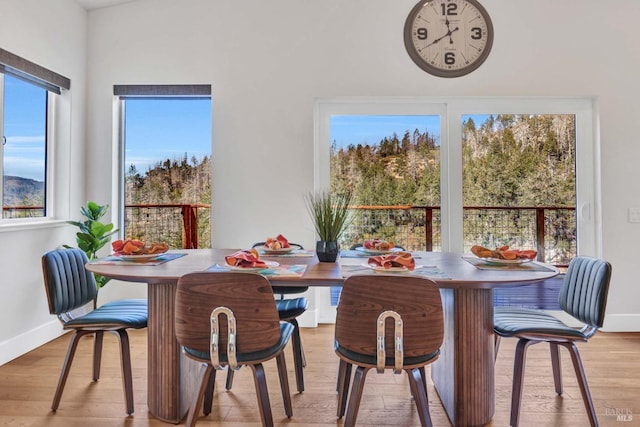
(451,32)
(448,34)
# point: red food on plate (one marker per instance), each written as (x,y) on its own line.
(279,242)
(397,259)
(247,258)
(378,244)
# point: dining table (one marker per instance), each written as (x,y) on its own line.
(463,375)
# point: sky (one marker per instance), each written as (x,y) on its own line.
(353,130)
(159,129)
(24,129)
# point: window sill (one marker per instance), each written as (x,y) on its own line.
(9,225)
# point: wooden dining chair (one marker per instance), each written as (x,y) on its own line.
(387,322)
(289,309)
(71,291)
(229,319)
(583,295)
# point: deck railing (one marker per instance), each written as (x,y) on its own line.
(551,230)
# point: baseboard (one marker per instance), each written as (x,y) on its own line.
(24,343)
(621,323)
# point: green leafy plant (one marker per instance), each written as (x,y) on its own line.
(330,213)
(93,234)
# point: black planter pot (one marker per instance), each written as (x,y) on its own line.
(327,251)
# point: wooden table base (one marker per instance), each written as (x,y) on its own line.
(468,318)
(171,375)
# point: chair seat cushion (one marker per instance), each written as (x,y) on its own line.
(366,359)
(288,290)
(127,313)
(285,333)
(522,322)
(291,308)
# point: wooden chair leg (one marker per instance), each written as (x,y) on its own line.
(196,402)
(127,377)
(418,391)
(284,384)
(423,374)
(263,394)
(518,379)
(97,353)
(356,396)
(582,382)
(66,366)
(298,359)
(208,393)
(344,378)
(556,366)
(496,346)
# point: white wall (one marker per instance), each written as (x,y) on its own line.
(51,34)
(268,61)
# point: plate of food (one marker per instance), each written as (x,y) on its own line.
(268,250)
(377,251)
(499,261)
(269,264)
(377,247)
(392,269)
(504,255)
(140,257)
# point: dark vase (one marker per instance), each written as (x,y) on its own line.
(327,251)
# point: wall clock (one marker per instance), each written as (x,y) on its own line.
(448,38)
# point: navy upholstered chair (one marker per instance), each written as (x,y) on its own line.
(387,322)
(289,310)
(230,320)
(70,288)
(583,295)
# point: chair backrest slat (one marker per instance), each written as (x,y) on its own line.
(248,295)
(68,283)
(416,299)
(584,290)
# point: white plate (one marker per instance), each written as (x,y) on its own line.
(379,269)
(377,251)
(499,261)
(270,264)
(267,250)
(138,257)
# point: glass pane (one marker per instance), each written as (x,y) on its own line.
(25,148)
(168,171)
(392,164)
(519,183)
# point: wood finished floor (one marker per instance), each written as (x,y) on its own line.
(27,384)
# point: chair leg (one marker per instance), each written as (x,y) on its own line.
(518,379)
(196,402)
(263,394)
(127,377)
(97,354)
(298,358)
(208,393)
(419,393)
(284,384)
(66,367)
(356,396)
(556,366)
(582,381)
(344,378)
(496,346)
(229,382)
(423,374)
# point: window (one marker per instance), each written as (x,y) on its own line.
(166,168)
(575,116)
(27,93)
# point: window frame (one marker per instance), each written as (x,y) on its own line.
(588,206)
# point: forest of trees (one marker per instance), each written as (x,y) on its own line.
(509,160)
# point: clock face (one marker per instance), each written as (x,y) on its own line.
(448,38)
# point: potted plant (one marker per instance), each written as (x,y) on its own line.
(93,234)
(331,215)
